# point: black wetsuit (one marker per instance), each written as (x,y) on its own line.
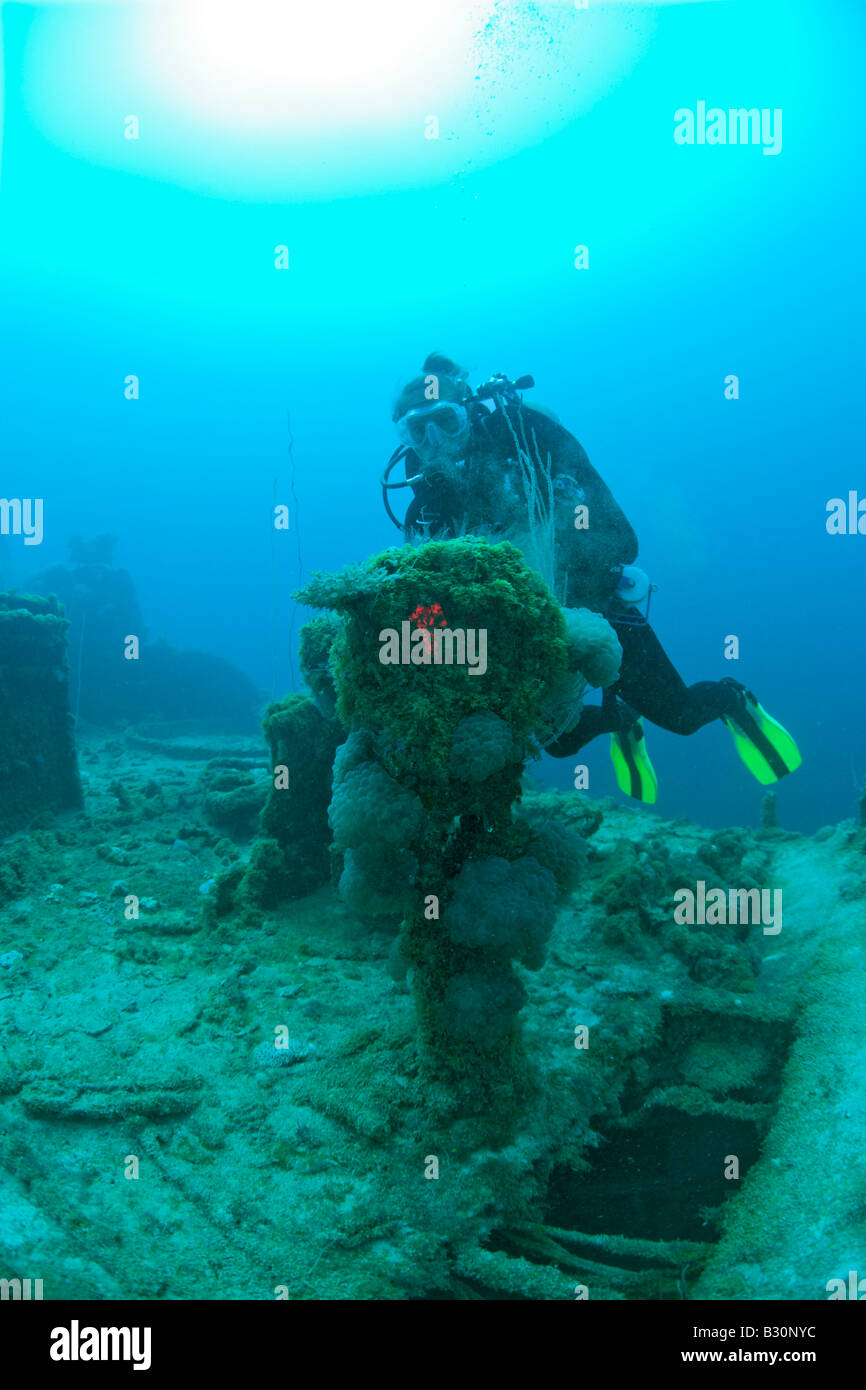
(479,500)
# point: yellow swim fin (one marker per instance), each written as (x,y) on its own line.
(635,773)
(766,748)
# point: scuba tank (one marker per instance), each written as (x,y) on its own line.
(632,589)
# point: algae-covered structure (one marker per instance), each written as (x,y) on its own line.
(448,666)
(291,856)
(38,768)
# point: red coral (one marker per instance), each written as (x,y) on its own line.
(428,615)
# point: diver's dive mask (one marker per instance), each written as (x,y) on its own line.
(434,424)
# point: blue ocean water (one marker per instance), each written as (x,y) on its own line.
(156,258)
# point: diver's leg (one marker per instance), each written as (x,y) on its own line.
(594,720)
(650,683)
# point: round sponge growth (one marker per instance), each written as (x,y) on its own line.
(482,745)
(370,807)
(560,849)
(357,749)
(593,646)
(504,908)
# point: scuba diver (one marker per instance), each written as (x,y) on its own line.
(487,462)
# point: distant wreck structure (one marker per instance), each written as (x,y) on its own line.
(38,767)
(167,684)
